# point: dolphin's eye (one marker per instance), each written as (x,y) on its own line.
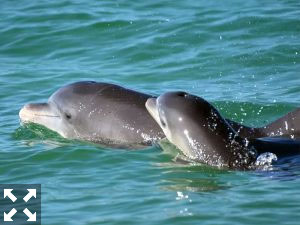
(68,116)
(162,122)
(181,94)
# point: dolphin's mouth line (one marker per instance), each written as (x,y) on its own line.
(45,115)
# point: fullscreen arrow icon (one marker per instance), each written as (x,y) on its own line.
(31,216)
(8,216)
(31,193)
(7,193)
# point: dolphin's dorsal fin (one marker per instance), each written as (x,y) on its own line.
(286,126)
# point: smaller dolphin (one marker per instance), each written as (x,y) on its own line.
(195,127)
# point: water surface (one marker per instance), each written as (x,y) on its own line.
(243,56)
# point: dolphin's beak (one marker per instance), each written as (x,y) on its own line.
(152,109)
(36,112)
(43,114)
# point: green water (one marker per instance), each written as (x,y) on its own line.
(243,56)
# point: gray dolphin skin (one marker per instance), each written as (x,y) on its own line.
(97,112)
(196,128)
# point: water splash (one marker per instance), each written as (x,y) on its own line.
(264,161)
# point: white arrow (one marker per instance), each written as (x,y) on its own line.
(8,216)
(31,216)
(7,193)
(31,193)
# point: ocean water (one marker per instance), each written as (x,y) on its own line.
(243,56)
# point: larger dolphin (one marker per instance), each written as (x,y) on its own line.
(97,112)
